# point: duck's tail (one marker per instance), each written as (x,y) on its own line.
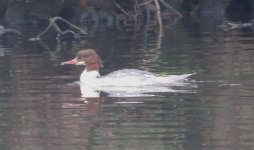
(184,76)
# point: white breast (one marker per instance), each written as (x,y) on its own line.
(89,77)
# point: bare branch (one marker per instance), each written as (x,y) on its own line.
(171,8)
(158,12)
(146,3)
(118,6)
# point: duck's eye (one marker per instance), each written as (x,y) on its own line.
(78,58)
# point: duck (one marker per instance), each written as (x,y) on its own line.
(92,62)
(124,80)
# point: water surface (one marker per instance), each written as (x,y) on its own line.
(41,106)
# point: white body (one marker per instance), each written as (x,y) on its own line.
(128,81)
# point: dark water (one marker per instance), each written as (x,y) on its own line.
(41,107)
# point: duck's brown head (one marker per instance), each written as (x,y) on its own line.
(87,57)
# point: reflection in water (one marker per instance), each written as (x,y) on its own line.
(40,109)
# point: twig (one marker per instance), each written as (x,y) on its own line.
(145,3)
(10,31)
(228,25)
(71,25)
(5,31)
(170,7)
(118,6)
(52,23)
(158,12)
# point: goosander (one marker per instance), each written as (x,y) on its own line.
(135,80)
(91,60)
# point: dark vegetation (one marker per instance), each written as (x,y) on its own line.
(34,11)
(240,10)
(118,14)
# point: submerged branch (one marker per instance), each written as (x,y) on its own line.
(119,7)
(228,25)
(71,25)
(144,3)
(54,25)
(171,8)
(158,12)
(6,31)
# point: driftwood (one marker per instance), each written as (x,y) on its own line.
(54,25)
